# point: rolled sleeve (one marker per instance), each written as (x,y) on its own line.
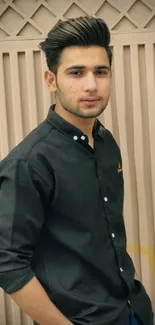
(14,280)
(22,215)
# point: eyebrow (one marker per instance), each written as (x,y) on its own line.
(82,67)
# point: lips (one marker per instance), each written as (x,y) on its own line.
(90,99)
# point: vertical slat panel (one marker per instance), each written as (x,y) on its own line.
(132,224)
(107,117)
(8,309)
(114,105)
(2,308)
(13,312)
(32,104)
(8,99)
(17,113)
(147,162)
(46,93)
(139,164)
(24,95)
(16,314)
(120,107)
(150,79)
(26,320)
(4,141)
(150,75)
(38,85)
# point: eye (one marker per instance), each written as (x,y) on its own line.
(101,72)
(76,73)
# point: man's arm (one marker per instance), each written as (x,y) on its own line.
(33,300)
(21,219)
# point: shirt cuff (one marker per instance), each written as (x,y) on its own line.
(14,280)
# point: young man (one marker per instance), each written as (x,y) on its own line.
(63,252)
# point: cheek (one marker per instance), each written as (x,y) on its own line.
(106,87)
(73,90)
(74,85)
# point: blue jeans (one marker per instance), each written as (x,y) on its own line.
(134,319)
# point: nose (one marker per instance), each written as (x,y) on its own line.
(90,83)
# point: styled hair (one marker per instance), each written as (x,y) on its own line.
(81,31)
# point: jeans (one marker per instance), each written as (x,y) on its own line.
(133,319)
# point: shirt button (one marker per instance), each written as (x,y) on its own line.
(105,199)
(75,137)
(113,235)
(83,137)
(121,269)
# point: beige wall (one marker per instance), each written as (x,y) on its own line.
(130,114)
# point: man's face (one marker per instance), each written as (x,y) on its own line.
(83,81)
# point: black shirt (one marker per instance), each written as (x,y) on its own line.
(61,220)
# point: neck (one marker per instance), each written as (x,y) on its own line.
(84,124)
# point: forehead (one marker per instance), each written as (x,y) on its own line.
(82,55)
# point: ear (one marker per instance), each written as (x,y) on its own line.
(50,79)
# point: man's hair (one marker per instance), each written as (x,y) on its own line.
(82,31)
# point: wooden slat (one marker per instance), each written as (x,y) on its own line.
(108,117)
(132,232)
(150,79)
(4,141)
(132,224)
(113,107)
(46,93)
(38,85)
(17,113)
(26,320)
(8,99)
(139,164)
(150,75)
(2,308)
(16,314)
(32,104)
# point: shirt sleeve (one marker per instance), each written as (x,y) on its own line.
(23,196)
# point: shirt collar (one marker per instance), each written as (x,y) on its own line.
(71,130)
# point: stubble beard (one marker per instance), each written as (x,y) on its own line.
(76,110)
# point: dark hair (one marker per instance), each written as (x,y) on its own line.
(82,31)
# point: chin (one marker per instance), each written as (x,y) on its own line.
(91,115)
(92,112)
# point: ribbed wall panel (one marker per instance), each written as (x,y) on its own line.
(130,114)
